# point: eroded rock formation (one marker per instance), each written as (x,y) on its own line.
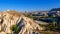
(25,24)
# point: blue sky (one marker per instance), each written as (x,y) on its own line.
(30,5)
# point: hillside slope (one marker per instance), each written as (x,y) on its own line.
(24,25)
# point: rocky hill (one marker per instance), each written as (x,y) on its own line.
(12,22)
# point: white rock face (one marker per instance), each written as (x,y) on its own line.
(25,24)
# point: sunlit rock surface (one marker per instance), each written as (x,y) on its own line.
(25,24)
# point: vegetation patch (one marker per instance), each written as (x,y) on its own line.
(14,28)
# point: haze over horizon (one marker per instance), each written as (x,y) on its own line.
(29,5)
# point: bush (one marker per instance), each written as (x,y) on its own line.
(14,28)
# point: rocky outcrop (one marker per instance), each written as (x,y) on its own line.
(25,25)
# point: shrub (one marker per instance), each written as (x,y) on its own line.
(14,28)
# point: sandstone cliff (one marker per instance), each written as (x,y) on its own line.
(25,25)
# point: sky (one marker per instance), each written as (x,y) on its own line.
(29,5)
